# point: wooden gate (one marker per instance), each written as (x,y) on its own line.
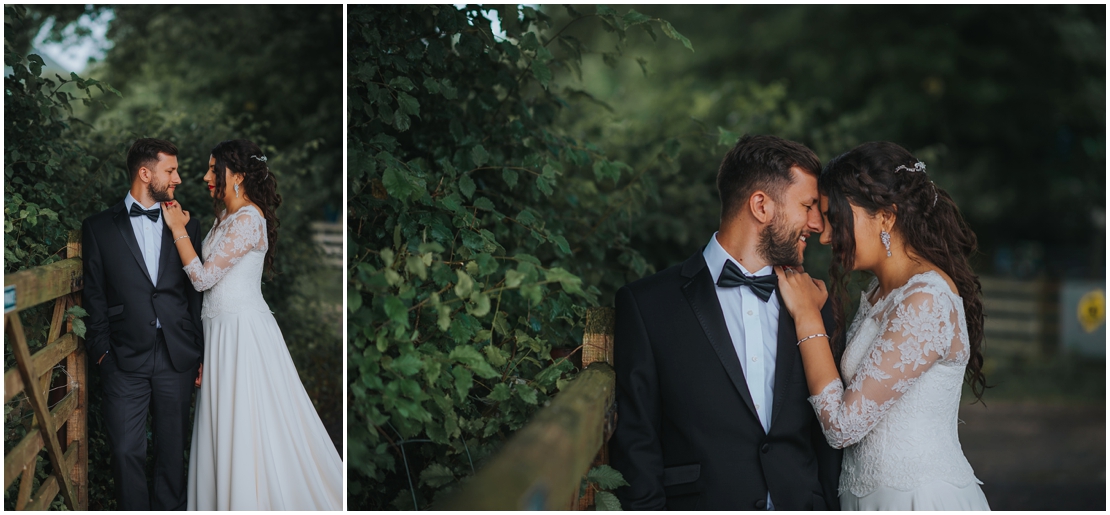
(62,428)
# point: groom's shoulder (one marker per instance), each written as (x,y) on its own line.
(101,217)
(665,281)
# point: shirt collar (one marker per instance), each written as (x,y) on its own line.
(128,200)
(131,200)
(715,257)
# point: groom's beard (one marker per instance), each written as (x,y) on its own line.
(779,245)
(159,195)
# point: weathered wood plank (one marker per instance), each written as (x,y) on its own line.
(49,488)
(27,371)
(44,360)
(25,482)
(541,466)
(25,452)
(42,283)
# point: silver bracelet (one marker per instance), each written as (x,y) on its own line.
(811,336)
(180,237)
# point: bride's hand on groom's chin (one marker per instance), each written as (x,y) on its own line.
(176,218)
(802,294)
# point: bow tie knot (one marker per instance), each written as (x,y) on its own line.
(762,287)
(152,214)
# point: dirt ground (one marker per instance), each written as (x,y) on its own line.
(1037,456)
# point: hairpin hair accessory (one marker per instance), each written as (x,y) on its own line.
(917,167)
(263,158)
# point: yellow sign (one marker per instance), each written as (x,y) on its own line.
(1092,310)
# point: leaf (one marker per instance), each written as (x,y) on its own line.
(509,176)
(407,104)
(541,72)
(79,327)
(401,82)
(480,304)
(606,501)
(634,18)
(726,137)
(77,311)
(604,10)
(354,300)
(466,185)
(469,356)
(542,184)
(569,282)
(526,393)
(496,356)
(483,203)
(513,278)
(670,31)
(464,381)
(643,65)
(436,475)
(396,311)
(415,265)
(500,393)
(478,156)
(606,477)
(464,286)
(408,364)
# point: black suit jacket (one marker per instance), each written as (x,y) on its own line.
(687,433)
(123,301)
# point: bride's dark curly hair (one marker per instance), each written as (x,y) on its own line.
(927,219)
(259,184)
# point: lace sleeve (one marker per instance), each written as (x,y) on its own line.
(919,331)
(242,235)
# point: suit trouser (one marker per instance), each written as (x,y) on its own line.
(158,389)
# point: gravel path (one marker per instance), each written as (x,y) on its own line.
(1037,456)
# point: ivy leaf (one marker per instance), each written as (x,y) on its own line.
(436,475)
(542,184)
(408,364)
(483,203)
(401,82)
(495,355)
(407,104)
(78,327)
(570,282)
(464,381)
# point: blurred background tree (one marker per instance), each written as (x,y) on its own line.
(195,75)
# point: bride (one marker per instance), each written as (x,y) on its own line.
(258,443)
(915,338)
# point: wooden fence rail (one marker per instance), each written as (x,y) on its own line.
(541,467)
(33,374)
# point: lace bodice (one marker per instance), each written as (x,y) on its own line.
(234,252)
(904,366)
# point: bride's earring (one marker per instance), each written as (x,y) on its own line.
(237,196)
(885,236)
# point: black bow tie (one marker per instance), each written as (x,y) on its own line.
(762,287)
(152,214)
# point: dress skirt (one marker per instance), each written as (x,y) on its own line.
(936,496)
(258,443)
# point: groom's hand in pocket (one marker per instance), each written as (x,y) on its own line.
(200,372)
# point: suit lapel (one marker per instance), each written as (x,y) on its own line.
(702,296)
(167,251)
(123,223)
(787,356)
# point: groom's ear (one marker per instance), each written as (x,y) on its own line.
(145,174)
(762,206)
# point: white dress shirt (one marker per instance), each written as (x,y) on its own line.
(753,326)
(149,235)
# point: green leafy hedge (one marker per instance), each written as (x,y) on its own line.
(479,232)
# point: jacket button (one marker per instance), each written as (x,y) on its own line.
(765,448)
(151,322)
(761,504)
(155,296)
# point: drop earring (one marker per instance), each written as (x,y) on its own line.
(885,236)
(237,196)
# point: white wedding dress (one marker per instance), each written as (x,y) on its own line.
(904,366)
(258,443)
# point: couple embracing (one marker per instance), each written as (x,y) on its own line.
(741,386)
(257,442)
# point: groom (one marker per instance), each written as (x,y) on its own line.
(144,329)
(712,409)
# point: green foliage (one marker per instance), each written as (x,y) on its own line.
(479,231)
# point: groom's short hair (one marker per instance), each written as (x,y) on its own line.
(145,151)
(760,163)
